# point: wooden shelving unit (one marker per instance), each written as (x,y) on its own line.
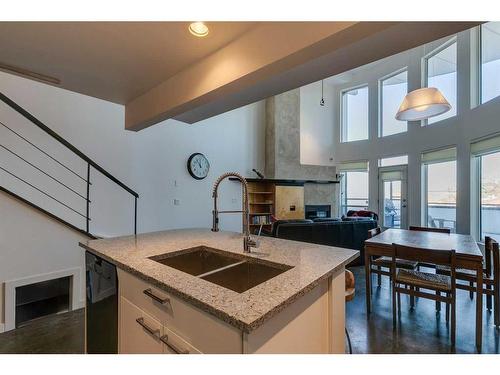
(262,204)
(278,198)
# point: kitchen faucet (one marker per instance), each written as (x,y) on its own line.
(248,243)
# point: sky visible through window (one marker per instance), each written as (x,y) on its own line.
(355,114)
(355,190)
(393,91)
(442,194)
(490,61)
(442,74)
(490,195)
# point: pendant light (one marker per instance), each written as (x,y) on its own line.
(422,104)
(322,101)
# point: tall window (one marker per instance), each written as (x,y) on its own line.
(486,155)
(441,72)
(490,61)
(354,114)
(392,91)
(354,186)
(440,188)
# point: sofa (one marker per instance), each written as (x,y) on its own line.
(349,234)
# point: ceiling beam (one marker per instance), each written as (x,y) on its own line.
(273,58)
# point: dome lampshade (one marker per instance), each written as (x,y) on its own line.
(422,104)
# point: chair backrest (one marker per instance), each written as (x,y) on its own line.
(418,254)
(373,232)
(492,256)
(430,229)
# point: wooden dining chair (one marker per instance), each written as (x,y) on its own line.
(433,230)
(417,284)
(491,277)
(350,290)
(385,262)
(430,229)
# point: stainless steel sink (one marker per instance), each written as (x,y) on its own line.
(197,260)
(245,275)
(229,270)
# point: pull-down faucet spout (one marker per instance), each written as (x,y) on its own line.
(248,243)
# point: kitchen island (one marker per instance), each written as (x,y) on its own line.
(283,297)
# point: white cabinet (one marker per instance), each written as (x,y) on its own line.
(155,321)
(187,325)
(139,332)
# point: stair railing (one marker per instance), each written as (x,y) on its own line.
(90,165)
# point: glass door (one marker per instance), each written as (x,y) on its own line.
(393,196)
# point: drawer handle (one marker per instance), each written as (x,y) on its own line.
(153,332)
(149,293)
(164,339)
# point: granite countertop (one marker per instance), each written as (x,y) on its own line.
(246,311)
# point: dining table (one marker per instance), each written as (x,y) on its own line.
(468,255)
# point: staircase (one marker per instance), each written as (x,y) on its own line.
(41,169)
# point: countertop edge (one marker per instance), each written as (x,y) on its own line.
(243,326)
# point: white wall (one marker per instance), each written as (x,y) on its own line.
(233,141)
(459,130)
(316,132)
(152,162)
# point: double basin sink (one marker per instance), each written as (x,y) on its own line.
(229,270)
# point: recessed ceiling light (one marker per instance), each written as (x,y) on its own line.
(198,29)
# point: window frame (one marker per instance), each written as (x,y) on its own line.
(343,190)
(425,72)
(476,192)
(479,64)
(381,100)
(343,114)
(424,183)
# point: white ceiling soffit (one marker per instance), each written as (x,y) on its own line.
(342,48)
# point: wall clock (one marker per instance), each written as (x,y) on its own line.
(198,166)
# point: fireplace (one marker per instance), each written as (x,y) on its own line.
(42,298)
(317,211)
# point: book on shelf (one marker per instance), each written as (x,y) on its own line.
(261,219)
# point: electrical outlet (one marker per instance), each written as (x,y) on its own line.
(177,202)
(234,200)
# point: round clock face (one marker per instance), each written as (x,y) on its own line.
(198,166)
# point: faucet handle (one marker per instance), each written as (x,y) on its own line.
(249,242)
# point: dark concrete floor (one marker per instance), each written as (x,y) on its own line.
(62,333)
(419,330)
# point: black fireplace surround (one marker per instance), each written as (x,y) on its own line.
(318,211)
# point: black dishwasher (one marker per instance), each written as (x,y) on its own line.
(102,305)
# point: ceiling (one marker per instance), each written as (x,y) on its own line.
(158,70)
(114,61)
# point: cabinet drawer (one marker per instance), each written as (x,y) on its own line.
(139,332)
(174,344)
(201,330)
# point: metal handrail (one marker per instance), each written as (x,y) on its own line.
(42,171)
(43,192)
(42,151)
(81,155)
(56,136)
